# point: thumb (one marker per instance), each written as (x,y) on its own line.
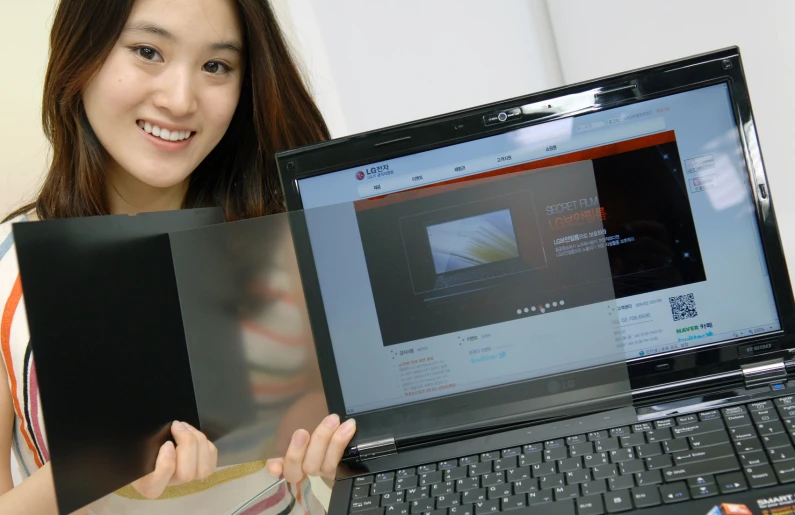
(152,485)
(275,466)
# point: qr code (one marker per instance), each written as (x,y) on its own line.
(683,306)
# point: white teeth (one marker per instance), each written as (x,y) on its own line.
(163,134)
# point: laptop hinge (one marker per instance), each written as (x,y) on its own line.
(376,449)
(764,373)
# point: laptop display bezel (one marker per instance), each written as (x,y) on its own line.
(657,373)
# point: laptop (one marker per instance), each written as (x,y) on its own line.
(573,302)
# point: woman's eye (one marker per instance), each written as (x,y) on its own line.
(216,68)
(150,54)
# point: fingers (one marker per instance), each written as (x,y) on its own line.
(152,485)
(336,448)
(294,458)
(318,444)
(187,453)
(207,454)
(275,466)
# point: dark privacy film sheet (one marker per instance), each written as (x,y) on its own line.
(138,321)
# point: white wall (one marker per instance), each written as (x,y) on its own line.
(379,63)
(23,148)
(600,38)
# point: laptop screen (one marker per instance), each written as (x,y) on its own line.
(458,284)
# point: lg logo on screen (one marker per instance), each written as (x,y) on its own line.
(558,386)
(360,175)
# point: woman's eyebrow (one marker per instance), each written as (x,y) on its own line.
(157,30)
(233,46)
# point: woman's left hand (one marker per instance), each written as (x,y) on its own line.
(317,454)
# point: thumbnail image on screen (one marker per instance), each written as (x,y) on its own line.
(472,241)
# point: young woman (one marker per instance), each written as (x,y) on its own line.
(156,105)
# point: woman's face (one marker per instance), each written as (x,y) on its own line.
(166,94)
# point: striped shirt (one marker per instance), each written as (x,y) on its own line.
(223,491)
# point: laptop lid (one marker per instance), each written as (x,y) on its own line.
(696,263)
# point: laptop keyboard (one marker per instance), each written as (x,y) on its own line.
(649,464)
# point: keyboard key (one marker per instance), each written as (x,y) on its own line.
(714,466)
(514,502)
(531,458)
(554,444)
(570,464)
(701,481)
(456,473)
(752,459)
(364,480)
(672,446)
(667,422)
(383,487)
(633,440)
(659,462)
(467,509)
(764,415)
(477,469)
(385,476)
(513,451)
(519,474)
(700,428)
(646,496)
(749,445)
(770,428)
(505,463)
(558,453)
(371,511)
(709,415)
(707,453)
(616,502)
(785,471)
(742,433)
(413,494)
(789,400)
(604,471)
(631,467)
(424,469)
(360,492)
(609,444)
(621,482)
(499,491)
(621,455)
(761,406)
(706,440)
(648,450)
(776,441)
(398,509)
(539,497)
(652,477)
(780,454)
(620,431)
(525,485)
(365,504)
(593,460)
(449,464)
(532,447)
(405,472)
(730,483)
(544,469)
(567,492)
(392,498)
(674,492)
(431,478)
(447,501)
(442,489)
(590,505)
(581,449)
(469,460)
(578,476)
(760,476)
(473,496)
(488,456)
(701,492)
(734,410)
(740,419)
(597,486)
(574,440)
(468,483)
(642,427)
(421,505)
(686,419)
(659,435)
(495,478)
(597,435)
(548,482)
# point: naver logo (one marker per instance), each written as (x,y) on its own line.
(687,329)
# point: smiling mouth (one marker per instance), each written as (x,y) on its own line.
(165,134)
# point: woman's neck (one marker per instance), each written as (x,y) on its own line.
(127,195)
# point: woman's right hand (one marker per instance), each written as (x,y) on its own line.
(193,458)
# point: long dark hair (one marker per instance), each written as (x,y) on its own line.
(275,112)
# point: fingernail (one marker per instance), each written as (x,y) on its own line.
(299,438)
(190,427)
(168,449)
(332,421)
(349,426)
(180,426)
